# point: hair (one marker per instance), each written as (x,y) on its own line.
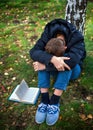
(58,33)
(55,46)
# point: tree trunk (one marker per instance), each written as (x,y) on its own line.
(75,13)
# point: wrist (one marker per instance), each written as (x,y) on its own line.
(52,59)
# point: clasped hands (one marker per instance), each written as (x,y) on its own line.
(58,62)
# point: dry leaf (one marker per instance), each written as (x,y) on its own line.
(1,63)
(6,74)
(88,98)
(3,89)
(82,105)
(60,118)
(72,109)
(14,78)
(83,117)
(90,116)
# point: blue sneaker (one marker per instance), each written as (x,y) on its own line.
(41,113)
(52,114)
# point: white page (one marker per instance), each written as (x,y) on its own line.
(31,95)
(21,91)
(13,96)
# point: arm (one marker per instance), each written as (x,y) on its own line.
(57,64)
(73,56)
(76,54)
(38,52)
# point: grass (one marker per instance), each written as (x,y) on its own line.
(22,23)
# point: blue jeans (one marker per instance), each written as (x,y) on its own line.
(62,78)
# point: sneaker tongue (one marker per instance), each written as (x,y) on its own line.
(52,109)
(42,107)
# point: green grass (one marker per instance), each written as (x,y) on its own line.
(21,24)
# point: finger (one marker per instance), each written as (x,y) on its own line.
(65,58)
(61,68)
(66,66)
(35,63)
(36,68)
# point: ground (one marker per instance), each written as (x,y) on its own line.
(21,25)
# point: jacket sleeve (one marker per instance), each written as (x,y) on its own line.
(76,51)
(38,53)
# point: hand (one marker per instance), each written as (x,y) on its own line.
(38,66)
(59,63)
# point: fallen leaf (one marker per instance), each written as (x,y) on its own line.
(90,116)
(14,78)
(10,108)
(72,109)
(82,105)
(3,89)
(1,63)
(60,118)
(6,73)
(88,98)
(24,124)
(83,117)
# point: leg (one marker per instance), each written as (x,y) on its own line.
(62,80)
(43,84)
(61,83)
(43,79)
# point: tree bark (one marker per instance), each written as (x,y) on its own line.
(76,12)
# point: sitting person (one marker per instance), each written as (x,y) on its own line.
(65,68)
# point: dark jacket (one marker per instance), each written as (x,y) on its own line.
(74,42)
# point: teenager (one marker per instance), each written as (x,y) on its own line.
(64,68)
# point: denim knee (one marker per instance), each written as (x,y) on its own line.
(76,71)
(43,79)
(62,80)
(64,77)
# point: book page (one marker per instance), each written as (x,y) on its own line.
(31,95)
(21,91)
(13,96)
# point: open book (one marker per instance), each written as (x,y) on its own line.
(22,93)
